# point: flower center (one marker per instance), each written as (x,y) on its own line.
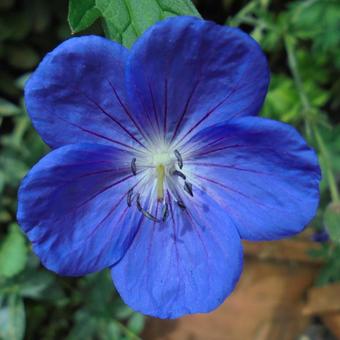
(165,175)
(163,158)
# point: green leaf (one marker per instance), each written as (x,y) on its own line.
(12,318)
(13,253)
(332,221)
(125,20)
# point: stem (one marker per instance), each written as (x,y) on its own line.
(326,157)
(310,123)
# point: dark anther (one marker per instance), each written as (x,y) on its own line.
(179,174)
(133,166)
(188,188)
(179,159)
(139,206)
(150,217)
(165,212)
(129,197)
(146,213)
(181,204)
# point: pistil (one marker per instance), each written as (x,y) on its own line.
(160,173)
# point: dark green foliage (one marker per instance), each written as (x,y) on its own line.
(125,20)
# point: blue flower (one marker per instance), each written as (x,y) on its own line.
(160,166)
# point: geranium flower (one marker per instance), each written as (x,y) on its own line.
(160,166)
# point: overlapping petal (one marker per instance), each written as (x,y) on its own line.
(78,95)
(185,73)
(261,172)
(72,206)
(189,264)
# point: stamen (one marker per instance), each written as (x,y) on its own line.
(165,212)
(179,174)
(179,159)
(181,204)
(133,166)
(150,217)
(188,188)
(139,206)
(129,197)
(146,213)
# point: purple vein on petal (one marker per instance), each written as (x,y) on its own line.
(185,110)
(127,112)
(206,115)
(154,106)
(238,146)
(208,152)
(112,234)
(102,172)
(165,107)
(98,135)
(105,189)
(111,211)
(115,121)
(231,167)
(232,190)
(195,148)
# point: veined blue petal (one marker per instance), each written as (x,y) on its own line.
(261,172)
(185,74)
(72,206)
(189,264)
(77,95)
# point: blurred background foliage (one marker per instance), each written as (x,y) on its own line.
(302,41)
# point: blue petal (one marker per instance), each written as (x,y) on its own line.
(72,206)
(77,95)
(185,73)
(189,264)
(262,174)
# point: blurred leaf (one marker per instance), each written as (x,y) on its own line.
(332,221)
(8,109)
(15,26)
(12,317)
(282,101)
(125,20)
(317,20)
(84,327)
(113,330)
(331,135)
(136,323)
(5,216)
(35,283)
(330,272)
(7,85)
(122,311)
(40,13)
(6,4)
(21,81)
(22,57)
(13,169)
(13,252)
